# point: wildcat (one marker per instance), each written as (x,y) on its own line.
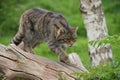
(38,25)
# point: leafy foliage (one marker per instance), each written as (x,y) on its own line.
(106,72)
(110,71)
(60,77)
(113,40)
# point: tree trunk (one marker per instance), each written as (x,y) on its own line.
(15,64)
(96,28)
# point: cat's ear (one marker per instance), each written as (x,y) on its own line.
(74,29)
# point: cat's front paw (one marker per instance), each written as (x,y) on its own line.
(65,59)
(71,59)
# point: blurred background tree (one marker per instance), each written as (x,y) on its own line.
(11,10)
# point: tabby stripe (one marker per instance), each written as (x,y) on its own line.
(16,42)
(64,25)
(56,26)
(51,44)
(44,19)
(41,28)
(44,24)
(20,36)
(18,39)
(31,25)
(47,29)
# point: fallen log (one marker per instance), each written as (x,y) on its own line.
(15,64)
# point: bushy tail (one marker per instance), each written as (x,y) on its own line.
(17,39)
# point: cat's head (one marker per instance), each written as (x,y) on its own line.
(64,33)
(67,37)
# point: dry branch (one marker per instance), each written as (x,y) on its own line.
(15,64)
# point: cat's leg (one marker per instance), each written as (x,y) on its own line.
(28,48)
(30,44)
(62,57)
(36,43)
(63,47)
(59,51)
(28,41)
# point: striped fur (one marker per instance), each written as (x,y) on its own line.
(38,25)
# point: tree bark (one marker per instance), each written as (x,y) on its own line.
(15,64)
(96,28)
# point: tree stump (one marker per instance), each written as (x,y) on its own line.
(15,64)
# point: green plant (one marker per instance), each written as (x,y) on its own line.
(101,72)
(113,40)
